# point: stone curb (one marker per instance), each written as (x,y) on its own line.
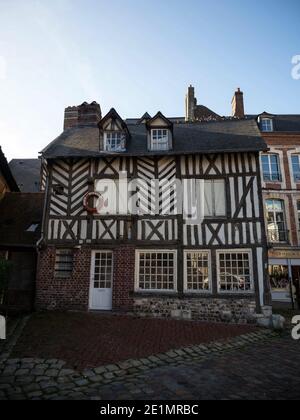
(49,379)
(12,339)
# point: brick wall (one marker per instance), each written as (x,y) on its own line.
(73,293)
(63,294)
(285,144)
(124,263)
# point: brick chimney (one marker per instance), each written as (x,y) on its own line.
(190,104)
(71,117)
(82,115)
(89,113)
(237,103)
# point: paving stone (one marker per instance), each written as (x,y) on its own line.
(41,366)
(52,372)
(48,384)
(113,368)
(50,390)
(10,370)
(37,372)
(22,372)
(31,387)
(100,370)
(35,395)
(81,382)
(65,372)
(96,378)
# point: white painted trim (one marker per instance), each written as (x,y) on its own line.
(195,251)
(236,251)
(290,153)
(260,270)
(261,120)
(93,253)
(274,151)
(137,268)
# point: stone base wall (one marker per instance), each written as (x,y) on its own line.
(230,310)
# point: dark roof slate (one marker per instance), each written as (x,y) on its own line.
(287,123)
(18,211)
(27,174)
(210,137)
(6,173)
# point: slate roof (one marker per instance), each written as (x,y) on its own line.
(204,113)
(209,137)
(287,123)
(18,211)
(27,174)
(6,172)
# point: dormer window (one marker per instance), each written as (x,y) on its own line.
(114,133)
(159,139)
(266,125)
(114,141)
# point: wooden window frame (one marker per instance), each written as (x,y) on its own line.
(252,283)
(269,127)
(155,145)
(137,270)
(185,285)
(63,252)
(270,173)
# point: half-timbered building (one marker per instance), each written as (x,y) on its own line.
(154,216)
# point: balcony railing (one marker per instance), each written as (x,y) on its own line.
(272,177)
(276,236)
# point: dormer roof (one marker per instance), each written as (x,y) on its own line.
(159,120)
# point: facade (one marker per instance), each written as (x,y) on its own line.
(280,169)
(20,230)
(114,235)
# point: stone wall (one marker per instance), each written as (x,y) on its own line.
(231,310)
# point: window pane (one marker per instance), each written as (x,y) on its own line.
(296,167)
(63,263)
(220,198)
(197,271)
(234,273)
(214,198)
(156,271)
(208,198)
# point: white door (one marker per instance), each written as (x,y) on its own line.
(101,280)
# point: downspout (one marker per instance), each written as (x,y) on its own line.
(41,240)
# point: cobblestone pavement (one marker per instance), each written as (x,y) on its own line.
(259,365)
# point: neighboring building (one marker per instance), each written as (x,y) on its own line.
(7,181)
(281,189)
(195,112)
(97,255)
(27,173)
(20,230)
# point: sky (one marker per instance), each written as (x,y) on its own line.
(138,56)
